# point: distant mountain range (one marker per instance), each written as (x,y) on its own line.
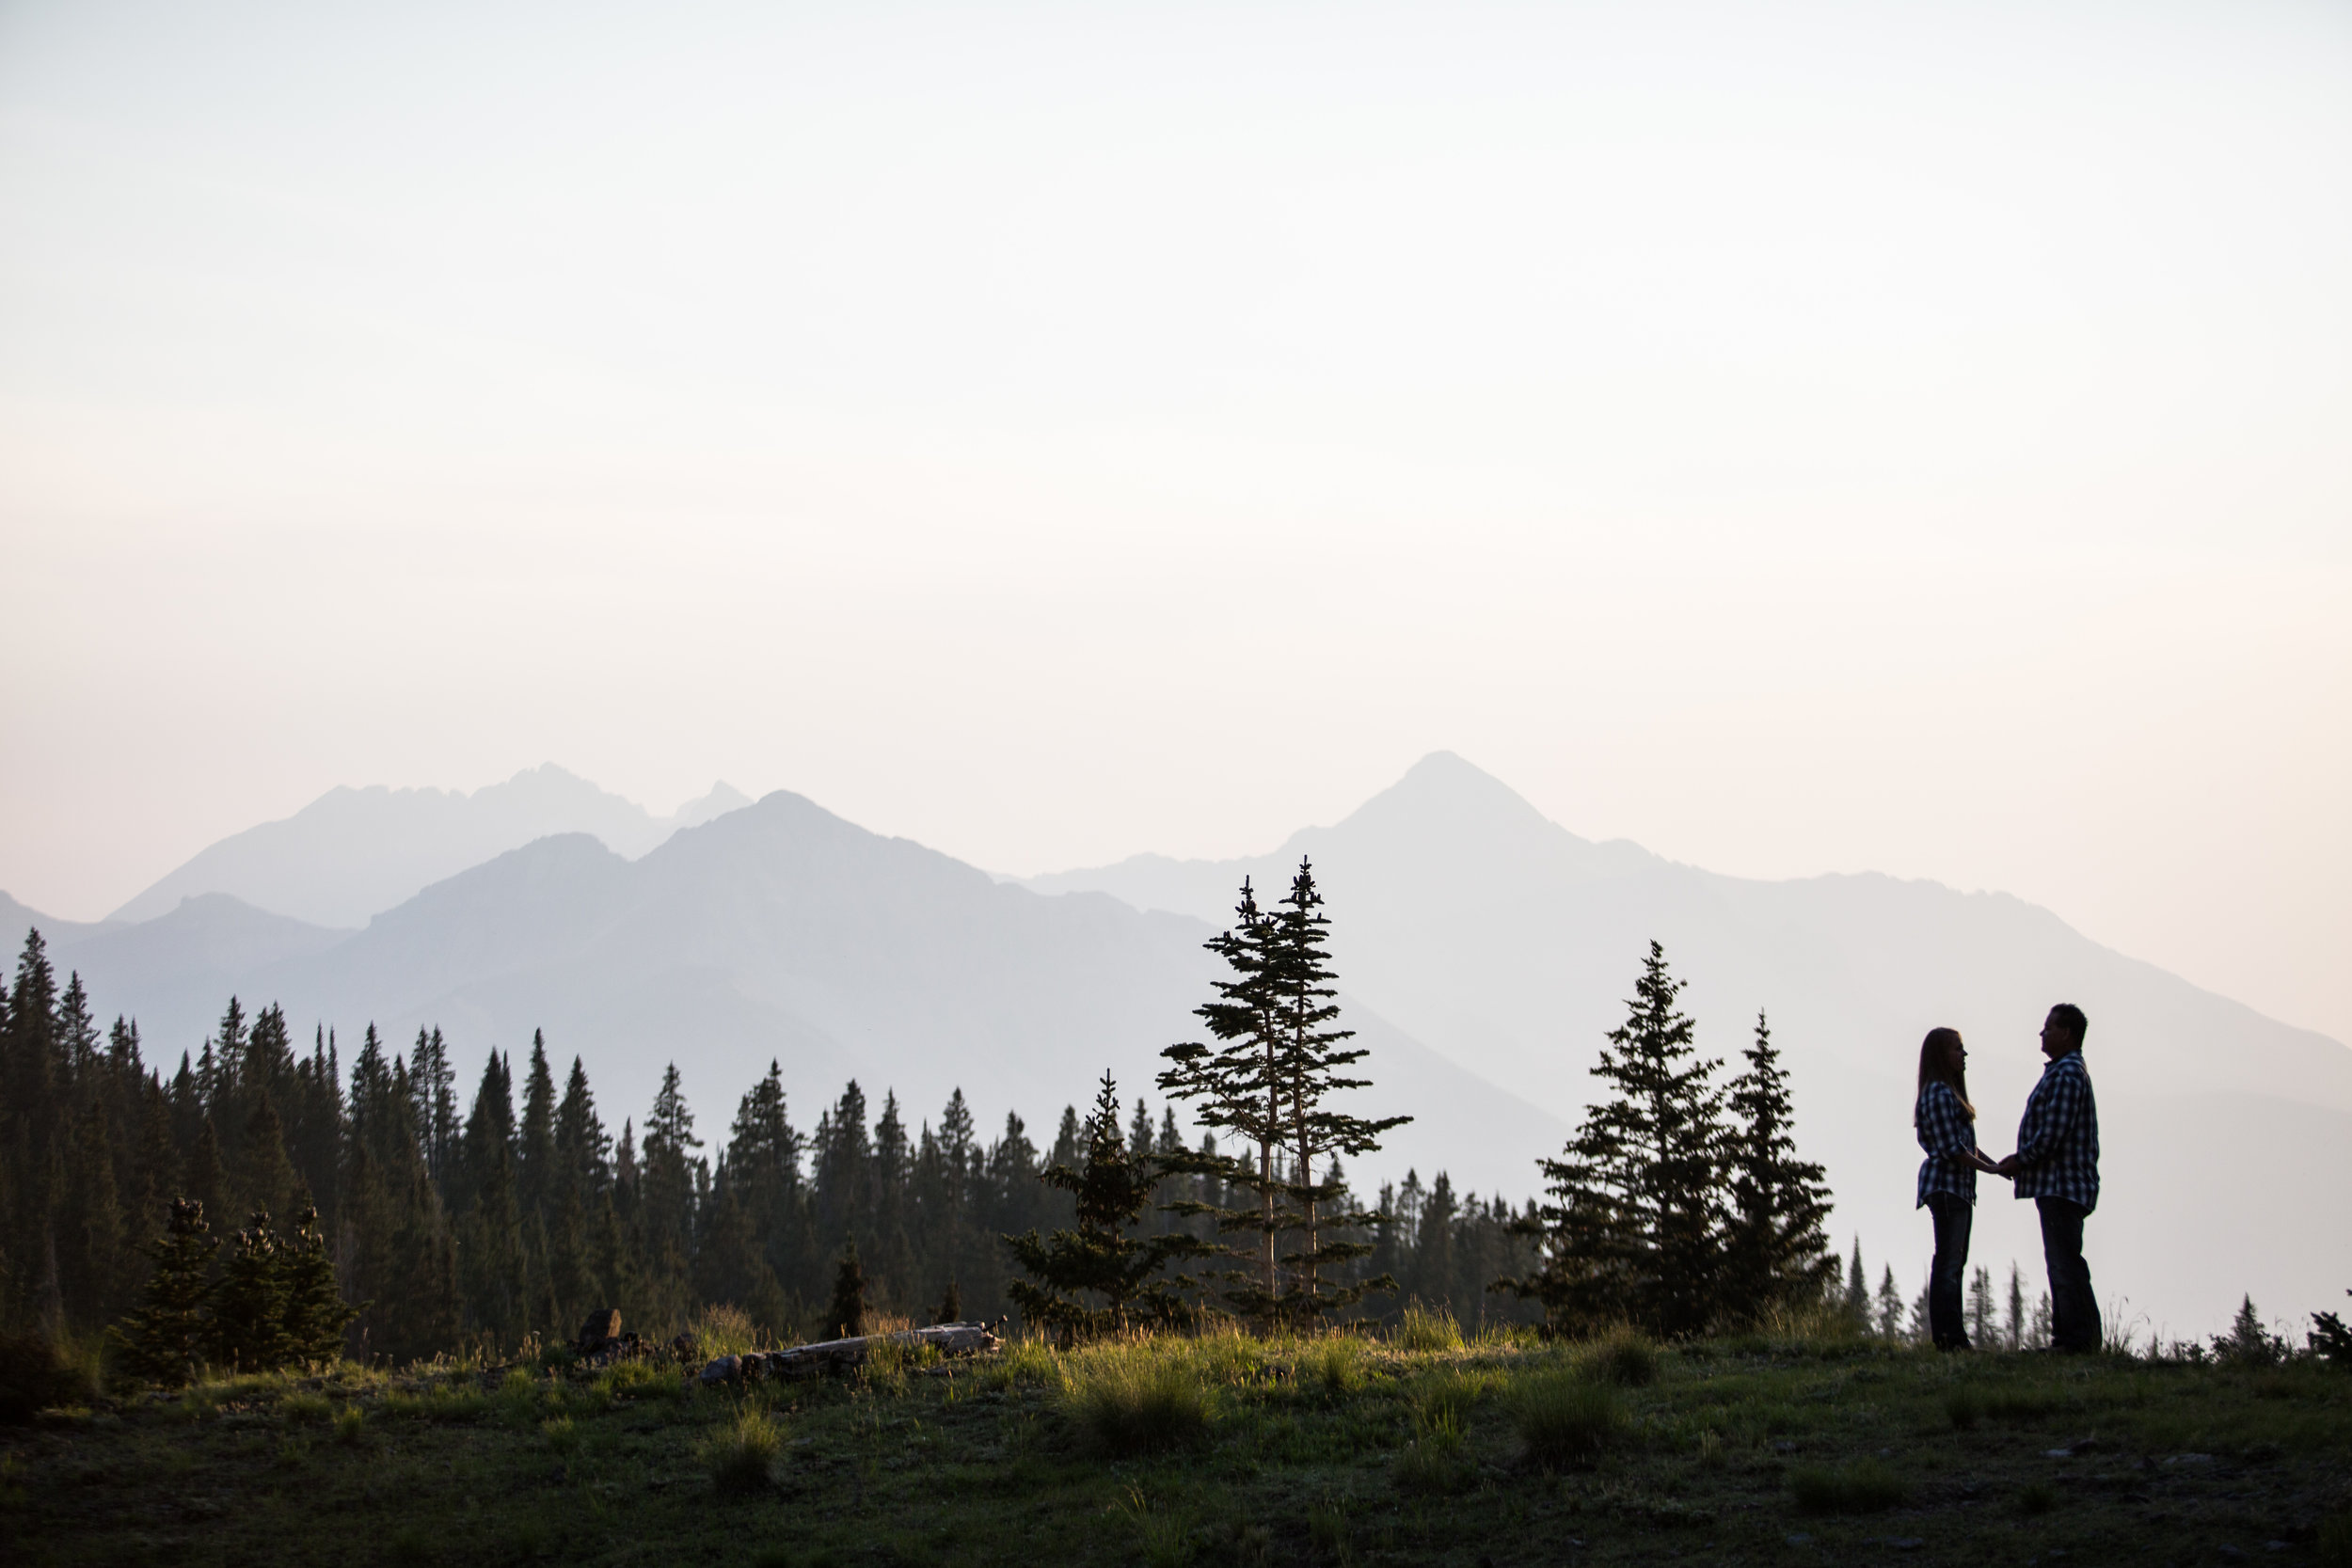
(352,853)
(1483,951)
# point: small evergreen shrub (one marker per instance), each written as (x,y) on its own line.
(1865,1486)
(741,1455)
(1425,1329)
(1566,1420)
(1129,1399)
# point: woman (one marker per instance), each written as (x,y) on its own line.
(1947,1124)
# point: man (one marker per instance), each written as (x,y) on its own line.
(2057,1165)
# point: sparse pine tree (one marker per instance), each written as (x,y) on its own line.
(2039,1333)
(950,1306)
(1857,1289)
(163,1338)
(1890,1314)
(2013,1324)
(1919,1331)
(1979,1312)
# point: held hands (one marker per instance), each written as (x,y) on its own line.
(2007,1168)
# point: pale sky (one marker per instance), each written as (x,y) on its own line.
(1799,439)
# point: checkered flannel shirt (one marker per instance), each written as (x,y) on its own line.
(1949,1136)
(2058,1142)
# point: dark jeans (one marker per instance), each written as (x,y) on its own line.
(2074,1311)
(1954,1216)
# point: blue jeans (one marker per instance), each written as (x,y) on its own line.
(2073,1310)
(1948,1276)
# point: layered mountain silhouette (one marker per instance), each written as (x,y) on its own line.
(352,853)
(1483,951)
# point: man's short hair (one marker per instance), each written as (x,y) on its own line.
(2072,1017)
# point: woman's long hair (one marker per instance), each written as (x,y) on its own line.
(1939,1064)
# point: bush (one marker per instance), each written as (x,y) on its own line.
(1866,1486)
(1566,1419)
(1137,1399)
(1624,1356)
(351,1425)
(37,1373)
(1424,1329)
(741,1455)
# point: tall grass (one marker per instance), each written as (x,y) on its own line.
(1137,1396)
(1337,1362)
(1425,1329)
(724,1331)
(741,1455)
(1566,1418)
(1623,1357)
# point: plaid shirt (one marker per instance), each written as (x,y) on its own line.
(2058,1142)
(1949,1136)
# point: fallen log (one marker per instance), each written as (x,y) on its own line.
(836,1355)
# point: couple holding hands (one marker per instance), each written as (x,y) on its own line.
(2057,1165)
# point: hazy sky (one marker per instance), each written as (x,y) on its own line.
(1797,437)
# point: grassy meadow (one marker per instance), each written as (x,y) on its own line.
(1416,1448)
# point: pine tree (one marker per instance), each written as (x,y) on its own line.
(1980,1311)
(1271,1079)
(1857,1289)
(1890,1307)
(1776,1251)
(2013,1326)
(1096,1278)
(845,1318)
(315,1314)
(1309,1067)
(1635,1225)
(535,1162)
(247,1332)
(163,1338)
(1919,1330)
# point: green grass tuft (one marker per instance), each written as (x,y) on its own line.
(1565,1420)
(1624,1356)
(1138,1398)
(1337,1362)
(1965,1406)
(2040,1498)
(1425,1329)
(741,1455)
(1865,1486)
